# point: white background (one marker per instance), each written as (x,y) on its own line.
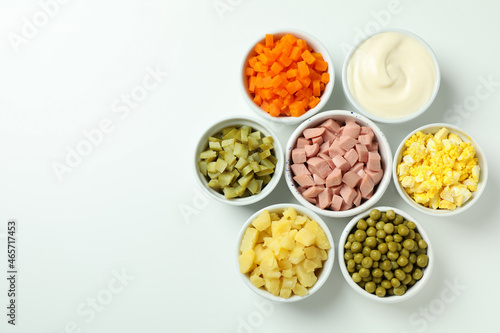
(131,206)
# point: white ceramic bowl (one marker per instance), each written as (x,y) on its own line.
(324,272)
(483,173)
(413,290)
(317,47)
(352,100)
(385,154)
(217,127)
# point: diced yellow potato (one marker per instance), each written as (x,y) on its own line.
(280,227)
(288,272)
(297,255)
(272,285)
(273,244)
(284,264)
(305,237)
(257,281)
(262,234)
(263,221)
(275,217)
(300,290)
(321,240)
(309,265)
(289,283)
(317,260)
(249,239)
(299,222)
(245,260)
(306,278)
(287,243)
(256,271)
(285,293)
(259,253)
(282,254)
(290,213)
(311,252)
(323,255)
(272,274)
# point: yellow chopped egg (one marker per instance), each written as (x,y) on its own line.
(439,170)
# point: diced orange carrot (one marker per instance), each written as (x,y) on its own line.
(314,75)
(277,67)
(266,94)
(303,69)
(289,38)
(260,67)
(308,57)
(249,71)
(325,78)
(302,44)
(316,88)
(321,65)
(295,54)
(297,109)
(252,61)
(281,92)
(259,82)
(265,59)
(251,83)
(278,102)
(276,81)
(269,40)
(291,73)
(267,82)
(259,48)
(258,100)
(265,106)
(292,87)
(318,56)
(314,101)
(285,60)
(274,110)
(306,81)
(321,86)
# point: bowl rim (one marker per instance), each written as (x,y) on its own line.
(483,176)
(352,100)
(383,142)
(327,265)
(419,285)
(238,120)
(318,47)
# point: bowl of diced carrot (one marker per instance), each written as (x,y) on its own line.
(287,76)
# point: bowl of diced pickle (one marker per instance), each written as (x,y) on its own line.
(238,160)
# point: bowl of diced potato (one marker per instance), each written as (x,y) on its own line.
(285,252)
(238,160)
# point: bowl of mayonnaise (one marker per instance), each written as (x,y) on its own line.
(392,76)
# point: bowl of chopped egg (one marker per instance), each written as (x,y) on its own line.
(440,170)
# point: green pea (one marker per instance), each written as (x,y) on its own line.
(388,275)
(356,247)
(370,287)
(394,265)
(407,279)
(390,292)
(381,234)
(389,238)
(375,214)
(402,261)
(375,255)
(422,260)
(367,262)
(360,235)
(408,244)
(370,222)
(395,282)
(366,251)
(371,232)
(398,238)
(399,274)
(403,230)
(389,228)
(393,246)
(380,225)
(362,284)
(412,282)
(364,272)
(408,268)
(351,263)
(377,280)
(412,258)
(383,248)
(362,225)
(351,269)
(422,244)
(371,242)
(347,245)
(398,220)
(417,274)
(375,264)
(356,277)
(386,284)
(380,291)
(417,237)
(390,214)
(400,291)
(404,253)
(384,218)
(386,265)
(367,279)
(351,238)
(377,272)
(412,234)
(358,267)
(358,257)
(411,225)
(392,255)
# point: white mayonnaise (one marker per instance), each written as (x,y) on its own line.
(391,75)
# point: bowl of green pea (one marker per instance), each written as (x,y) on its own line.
(385,255)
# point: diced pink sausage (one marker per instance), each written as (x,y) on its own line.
(318,180)
(311,150)
(366,185)
(317,140)
(313,191)
(351,179)
(358,166)
(324,199)
(366,130)
(362,153)
(336,189)
(299,169)
(301,142)
(373,146)
(304,180)
(324,147)
(361,173)
(368,196)
(346,142)
(331,125)
(352,129)
(334,178)
(328,160)
(341,163)
(337,202)
(335,149)
(311,200)
(348,194)
(313,132)
(328,136)
(351,156)
(373,161)
(365,139)
(299,155)
(357,199)
(320,166)
(376,176)
(345,206)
